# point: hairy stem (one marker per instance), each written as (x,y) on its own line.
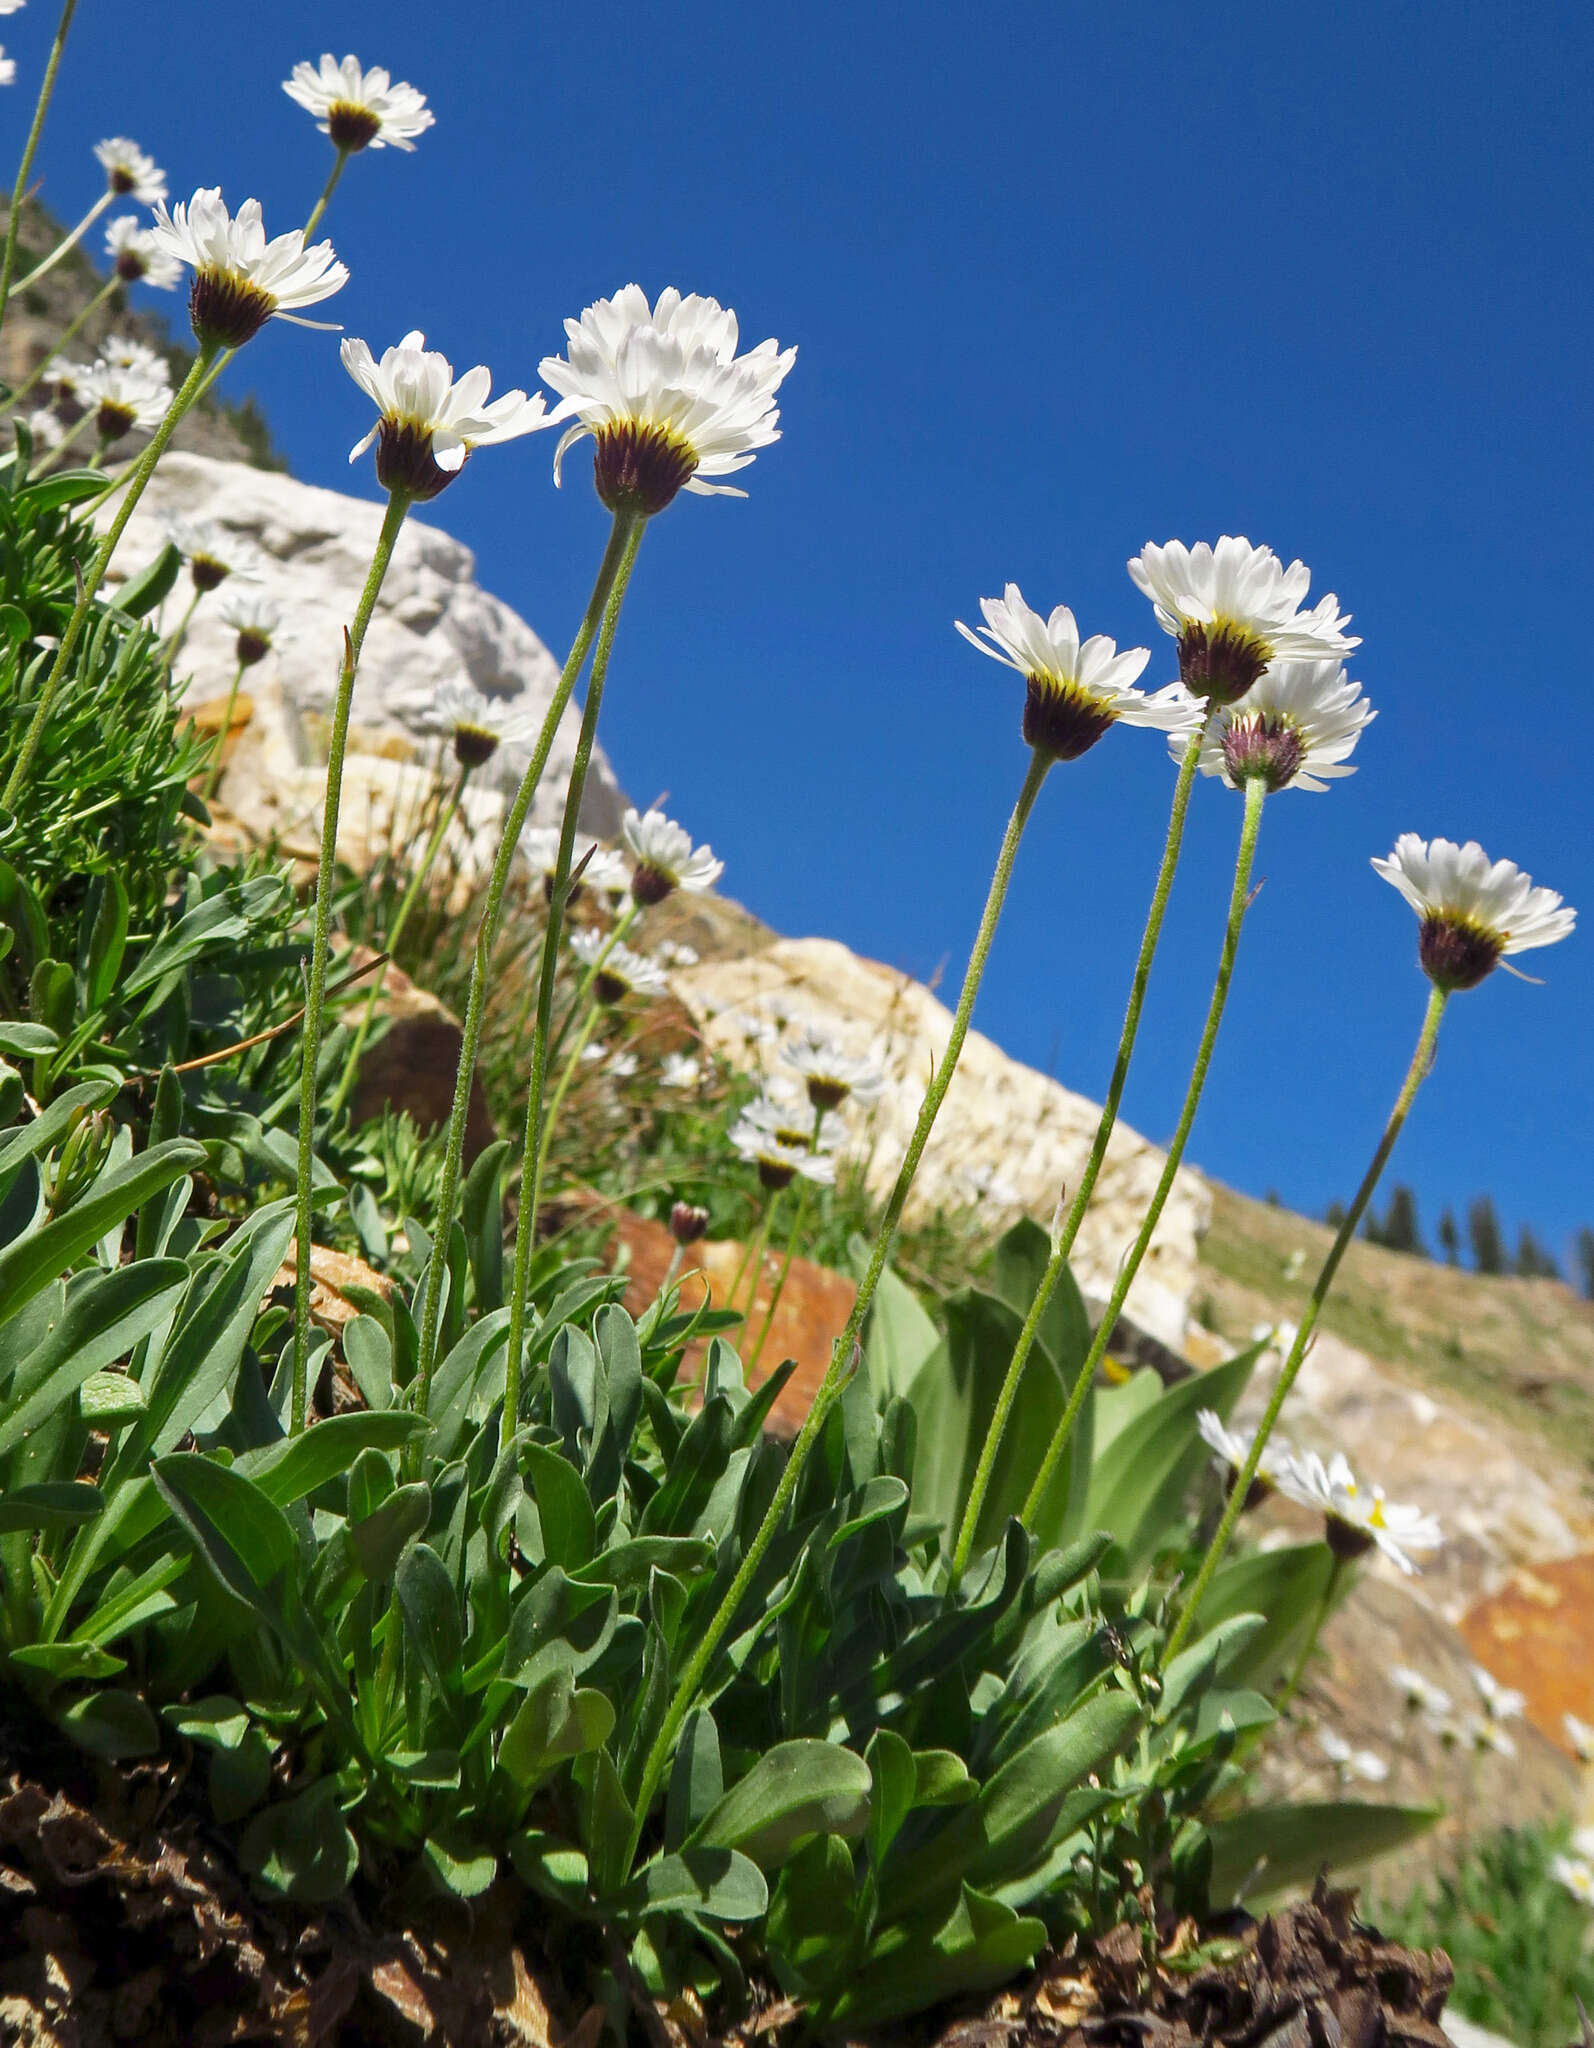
(841,1362)
(1239,901)
(19,191)
(397,506)
(1057,1264)
(1421,1062)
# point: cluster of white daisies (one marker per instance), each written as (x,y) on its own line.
(796,1125)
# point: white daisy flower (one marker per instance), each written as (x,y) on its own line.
(1473,911)
(8,65)
(123,400)
(670,953)
(1073,691)
(1480,1734)
(240,279)
(127,352)
(623,972)
(1500,1702)
(1352,1763)
(12,6)
(1583,1842)
(212,553)
(359,109)
(429,422)
(1233,609)
(1576,1875)
(1233,1446)
(665,396)
(1580,1734)
(787,1118)
(606,871)
(137,257)
(1358,1517)
(831,1076)
(778,1163)
(129,172)
(665,857)
(44,426)
(679,1070)
(1298,722)
(479,725)
(623,1065)
(255,618)
(1421,1695)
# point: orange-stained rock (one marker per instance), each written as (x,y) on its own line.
(1537,1634)
(813,1310)
(330,1273)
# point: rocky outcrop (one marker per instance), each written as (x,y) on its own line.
(1009,1139)
(433,622)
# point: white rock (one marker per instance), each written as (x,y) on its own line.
(1000,1118)
(431,622)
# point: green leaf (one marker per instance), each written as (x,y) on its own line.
(287,1471)
(113,1725)
(107,940)
(215,1722)
(52,1504)
(105,1315)
(244,1537)
(107,1398)
(896,1784)
(462,1867)
(66,487)
(62,1661)
(899,1337)
(302,1846)
(1139,1482)
(52,996)
(980,1945)
(430,1607)
(1267,1849)
(23,1041)
(53,1123)
(482,1214)
(33,1261)
(379,1539)
(1287,1587)
(716,1883)
(697,1779)
(141,593)
(796,1789)
(553,1722)
(569,1528)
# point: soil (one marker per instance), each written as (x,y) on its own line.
(125,1919)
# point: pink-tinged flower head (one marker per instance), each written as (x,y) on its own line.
(1296,725)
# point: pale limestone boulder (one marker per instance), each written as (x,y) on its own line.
(1008,1138)
(432,621)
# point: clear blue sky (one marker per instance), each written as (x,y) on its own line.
(1065,279)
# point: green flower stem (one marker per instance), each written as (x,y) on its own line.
(79,319)
(174,642)
(393,519)
(327,191)
(841,1362)
(1421,1062)
(68,242)
(213,772)
(1057,1264)
(407,902)
(19,191)
(486,938)
(534,1150)
(804,1195)
(1239,902)
(583,987)
(140,475)
(1325,1608)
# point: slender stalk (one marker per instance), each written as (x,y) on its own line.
(534,1154)
(8,261)
(486,938)
(1239,902)
(393,519)
(213,772)
(1325,1607)
(395,932)
(68,242)
(327,191)
(804,1195)
(140,475)
(63,447)
(842,1358)
(1057,1264)
(583,987)
(1421,1062)
(174,642)
(79,320)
